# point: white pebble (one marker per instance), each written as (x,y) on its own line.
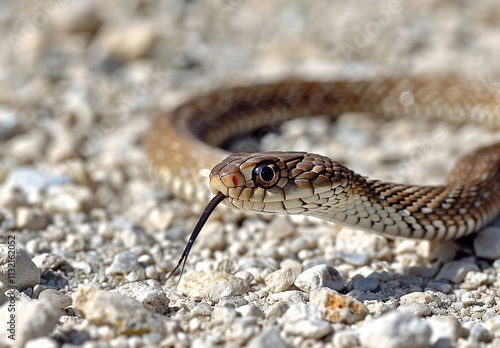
(201,310)
(290,297)
(319,276)
(224,315)
(120,313)
(487,243)
(32,219)
(493,324)
(280,227)
(420,309)
(123,262)
(56,297)
(250,310)
(456,271)
(211,285)
(345,339)
(34,319)
(267,338)
(26,272)
(281,279)
(306,321)
(395,329)
(308,328)
(444,329)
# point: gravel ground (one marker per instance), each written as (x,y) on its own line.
(95,236)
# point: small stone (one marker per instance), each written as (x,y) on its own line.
(151,272)
(127,42)
(280,227)
(487,243)
(468,298)
(250,310)
(211,285)
(303,320)
(444,329)
(69,198)
(479,333)
(308,328)
(351,240)
(493,324)
(123,263)
(49,261)
(56,297)
(245,275)
(152,298)
(281,279)
(319,276)
(14,258)
(355,259)
(234,301)
(267,338)
(289,296)
(122,313)
(32,219)
(302,243)
(160,219)
(37,289)
(474,280)
(212,237)
(395,329)
(345,339)
(456,271)
(201,310)
(30,180)
(338,308)
(12,198)
(420,309)
(36,318)
(224,315)
(135,274)
(364,285)
(417,297)
(277,310)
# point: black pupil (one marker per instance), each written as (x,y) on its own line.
(267,174)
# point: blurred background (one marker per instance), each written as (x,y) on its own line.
(82,80)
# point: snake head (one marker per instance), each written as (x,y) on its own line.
(273,182)
(277,182)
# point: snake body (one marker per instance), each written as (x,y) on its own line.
(184,145)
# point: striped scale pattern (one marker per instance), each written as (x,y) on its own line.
(183,146)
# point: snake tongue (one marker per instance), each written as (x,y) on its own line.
(219,197)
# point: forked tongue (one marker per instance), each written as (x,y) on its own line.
(199,225)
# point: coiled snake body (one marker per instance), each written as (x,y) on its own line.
(183,146)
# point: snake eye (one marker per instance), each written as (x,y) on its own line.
(266,174)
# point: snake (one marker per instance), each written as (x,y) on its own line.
(185,151)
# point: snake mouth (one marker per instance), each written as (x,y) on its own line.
(219,197)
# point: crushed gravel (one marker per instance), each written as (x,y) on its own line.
(95,236)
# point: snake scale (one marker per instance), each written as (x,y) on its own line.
(184,145)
